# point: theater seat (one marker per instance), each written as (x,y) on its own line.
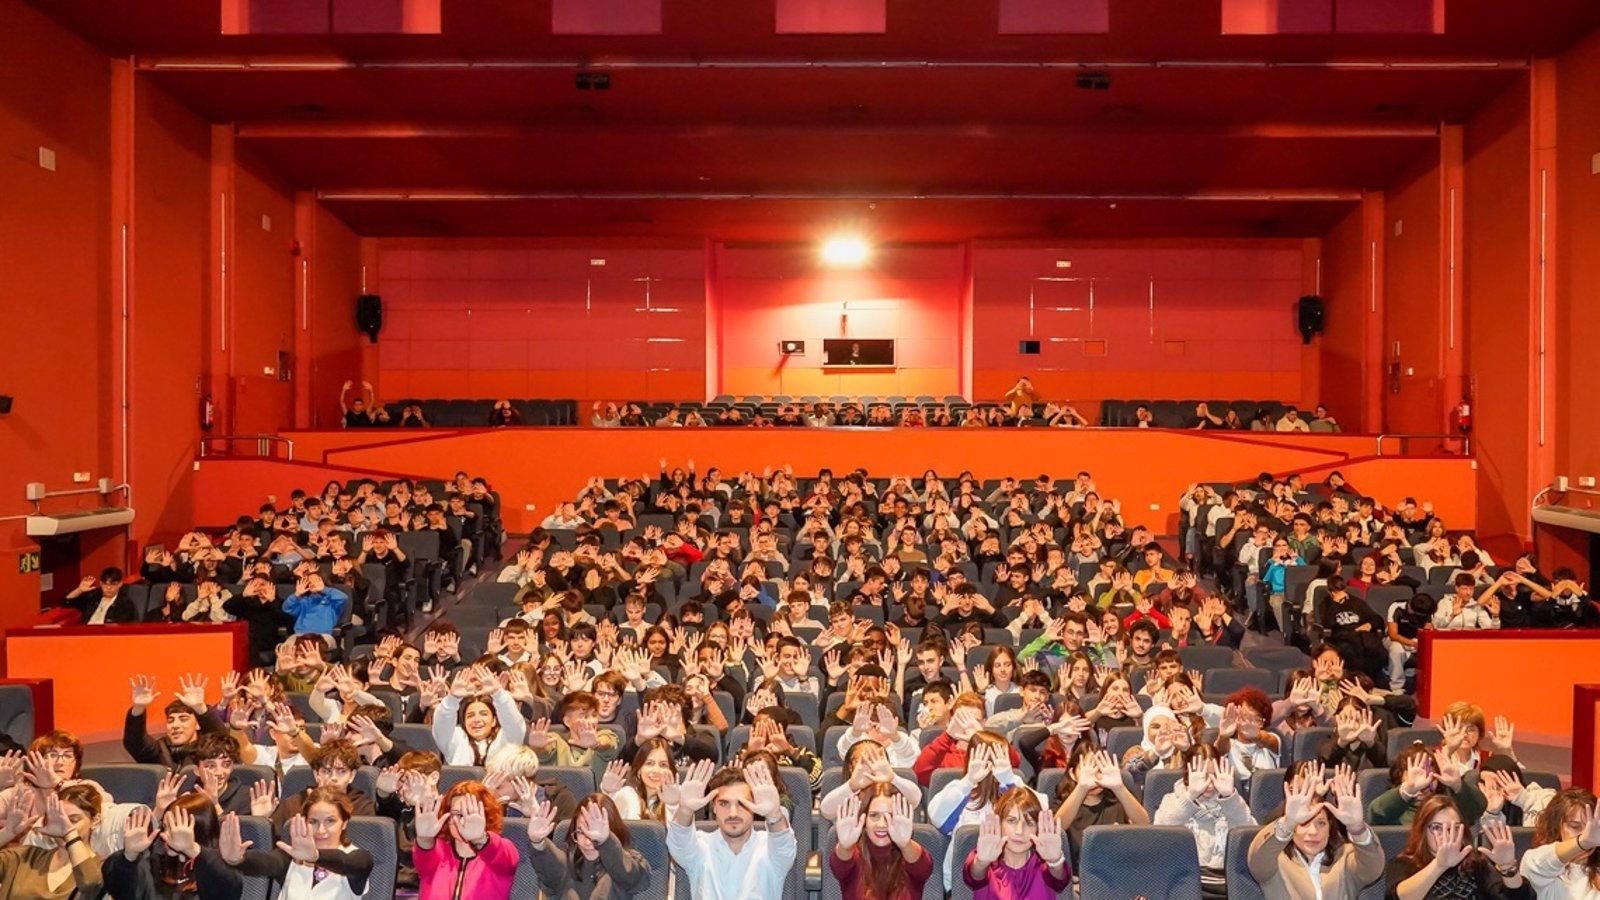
(1123,861)
(127,782)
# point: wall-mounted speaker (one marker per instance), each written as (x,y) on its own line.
(5,405)
(1028,348)
(369,315)
(1311,312)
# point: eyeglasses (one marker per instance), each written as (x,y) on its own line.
(55,755)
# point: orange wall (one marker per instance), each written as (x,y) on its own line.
(1496,219)
(1144,469)
(83,662)
(1451,668)
(1412,301)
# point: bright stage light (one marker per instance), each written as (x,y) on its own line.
(845,251)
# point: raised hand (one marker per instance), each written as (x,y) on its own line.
(144,692)
(1300,801)
(1197,780)
(136,833)
(230,843)
(901,826)
(764,799)
(614,778)
(263,798)
(541,822)
(471,823)
(300,847)
(429,818)
(539,735)
(192,691)
(851,822)
(179,833)
(1222,780)
(990,841)
(1451,771)
(1503,735)
(1047,839)
(1417,778)
(1346,805)
(1451,849)
(167,791)
(594,823)
(691,787)
(1502,851)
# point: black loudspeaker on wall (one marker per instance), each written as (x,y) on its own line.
(1311,311)
(369,315)
(5,405)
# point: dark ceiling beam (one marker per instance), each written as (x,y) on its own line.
(312,63)
(1276,195)
(350,129)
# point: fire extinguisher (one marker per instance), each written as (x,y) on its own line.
(208,413)
(1462,415)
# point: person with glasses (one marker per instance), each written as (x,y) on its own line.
(1440,860)
(1243,736)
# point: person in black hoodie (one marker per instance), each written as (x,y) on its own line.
(1354,630)
(177,861)
(187,717)
(215,757)
(258,607)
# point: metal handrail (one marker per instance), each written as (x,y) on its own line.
(1466,440)
(265,443)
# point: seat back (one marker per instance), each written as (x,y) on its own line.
(415,736)
(1236,864)
(1266,793)
(1306,742)
(258,831)
(1159,784)
(1401,738)
(578,780)
(16,712)
(377,835)
(127,782)
(1122,861)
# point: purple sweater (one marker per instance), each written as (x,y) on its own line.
(1031,882)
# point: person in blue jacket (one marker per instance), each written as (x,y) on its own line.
(317,608)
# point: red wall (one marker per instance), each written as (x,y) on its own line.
(171,213)
(1412,236)
(54,92)
(1190,320)
(1498,321)
(1577,324)
(262,304)
(475,319)
(335,345)
(1343,343)
(910,294)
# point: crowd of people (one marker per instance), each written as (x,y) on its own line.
(726,655)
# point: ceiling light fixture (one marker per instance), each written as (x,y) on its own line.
(845,251)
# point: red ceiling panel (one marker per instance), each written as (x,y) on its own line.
(1277,16)
(831,16)
(1389,16)
(1055,16)
(605,17)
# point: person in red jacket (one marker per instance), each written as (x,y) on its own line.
(949,750)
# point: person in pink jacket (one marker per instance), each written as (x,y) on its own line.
(473,862)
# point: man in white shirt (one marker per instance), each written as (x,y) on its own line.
(735,862)
(1291,421)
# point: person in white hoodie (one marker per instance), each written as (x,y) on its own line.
(476,718)
(1206,801)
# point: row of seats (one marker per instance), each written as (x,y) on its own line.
(1181,413)
(1162,860)
(475,413)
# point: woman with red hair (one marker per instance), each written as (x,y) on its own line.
(1242,735)
(475,862)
